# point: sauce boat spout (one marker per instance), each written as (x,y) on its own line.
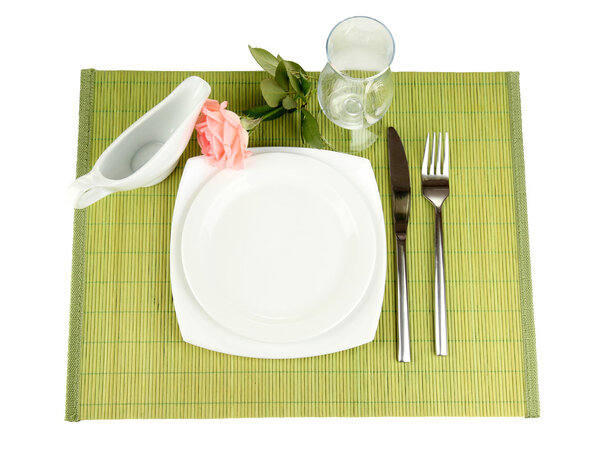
(88,189)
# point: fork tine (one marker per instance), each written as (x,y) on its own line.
(446,170)
(432,165)
(438,165)
(425,164)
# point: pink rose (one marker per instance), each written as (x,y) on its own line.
(221,136)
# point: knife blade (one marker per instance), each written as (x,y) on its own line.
(400,186)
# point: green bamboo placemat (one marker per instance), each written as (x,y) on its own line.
(127,358)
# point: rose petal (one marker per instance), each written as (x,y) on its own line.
(232,118)
(210,105)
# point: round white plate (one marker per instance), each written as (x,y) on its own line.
(280,251)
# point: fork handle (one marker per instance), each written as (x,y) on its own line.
(441,332)
(402,293)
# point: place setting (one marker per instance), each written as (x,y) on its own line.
(285,243)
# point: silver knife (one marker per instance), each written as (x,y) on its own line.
(400,182)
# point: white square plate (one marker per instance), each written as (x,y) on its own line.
(285,258)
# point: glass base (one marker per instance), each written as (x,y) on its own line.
(345,140)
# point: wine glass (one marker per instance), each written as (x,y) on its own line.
(356,86)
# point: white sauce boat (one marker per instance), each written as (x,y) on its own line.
(147,151)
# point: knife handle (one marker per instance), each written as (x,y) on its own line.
(402,294)
(441,332)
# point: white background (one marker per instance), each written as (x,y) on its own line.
(45,44)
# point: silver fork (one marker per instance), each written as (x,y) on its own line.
(435,186)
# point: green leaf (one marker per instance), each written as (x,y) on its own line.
(294,82)
(262,114)
(258,111)
(289,103)
(281,76)
(249,123)
(305,84)
(272,92)
(310,130)
(274,114)
(296,69)
(265,59)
